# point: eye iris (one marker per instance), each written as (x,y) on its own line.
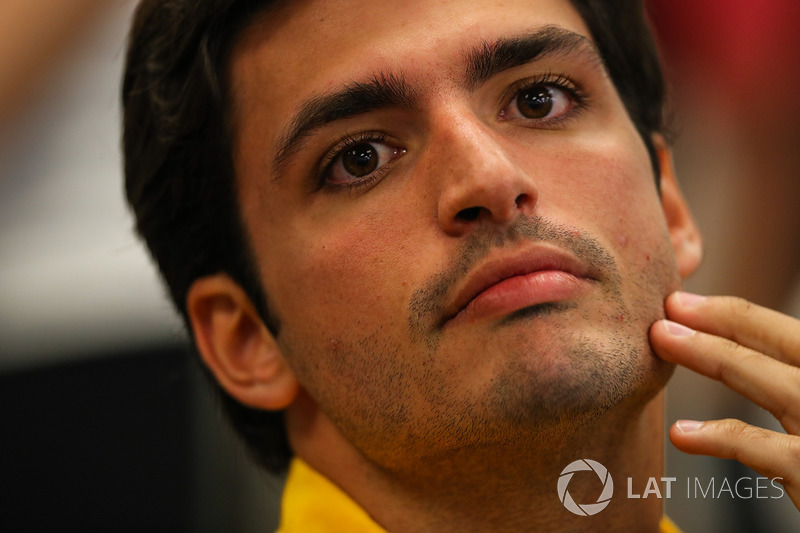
(360,160)
(536,102)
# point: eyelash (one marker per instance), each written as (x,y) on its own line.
(340,148)
(559,81)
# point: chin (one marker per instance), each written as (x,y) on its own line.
(543,393)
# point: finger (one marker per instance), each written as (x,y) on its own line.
(745,323)
(772,454)
(773,385)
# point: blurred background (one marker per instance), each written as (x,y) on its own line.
(106,422)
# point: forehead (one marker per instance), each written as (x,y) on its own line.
(297,49)
(376,32)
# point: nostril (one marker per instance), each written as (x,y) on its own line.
(521,200)
(469,214)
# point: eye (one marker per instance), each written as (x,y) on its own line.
(360,160)
(539,102)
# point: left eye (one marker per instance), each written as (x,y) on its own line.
(360,160)
(539,102)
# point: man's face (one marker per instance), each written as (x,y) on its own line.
(455,221)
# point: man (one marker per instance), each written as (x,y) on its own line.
(430,240)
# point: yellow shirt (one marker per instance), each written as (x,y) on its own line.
(302,513)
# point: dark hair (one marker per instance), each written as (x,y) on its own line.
(177,143)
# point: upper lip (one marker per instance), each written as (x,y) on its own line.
(519,263)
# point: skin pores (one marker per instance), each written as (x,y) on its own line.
(361,276)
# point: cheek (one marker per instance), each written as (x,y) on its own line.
(344,267)
(607,187)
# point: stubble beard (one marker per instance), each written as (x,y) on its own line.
(548,388)
(401,411)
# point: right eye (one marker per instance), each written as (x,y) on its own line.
(360,161)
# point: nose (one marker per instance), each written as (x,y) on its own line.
(480,183)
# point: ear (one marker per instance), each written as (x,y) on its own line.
(686,240)
(236,345)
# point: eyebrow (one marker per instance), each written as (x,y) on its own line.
(357,98)
(387,90)
(490,59)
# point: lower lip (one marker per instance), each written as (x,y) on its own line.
(519,292)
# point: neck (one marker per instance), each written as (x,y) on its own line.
(504,488)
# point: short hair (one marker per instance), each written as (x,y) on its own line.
(178,150)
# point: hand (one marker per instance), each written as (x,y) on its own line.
(752,350)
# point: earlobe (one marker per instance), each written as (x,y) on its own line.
(236,345)
(686,240)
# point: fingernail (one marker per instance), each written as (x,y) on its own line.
(678,330)
(688,426)
(688,298)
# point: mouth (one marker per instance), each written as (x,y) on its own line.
(508,283)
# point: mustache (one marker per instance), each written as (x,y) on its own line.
(428,303)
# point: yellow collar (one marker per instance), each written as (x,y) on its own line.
(312,504)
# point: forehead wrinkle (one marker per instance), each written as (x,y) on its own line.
(380,91)
(493,57)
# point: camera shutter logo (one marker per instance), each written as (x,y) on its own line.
(586,509)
